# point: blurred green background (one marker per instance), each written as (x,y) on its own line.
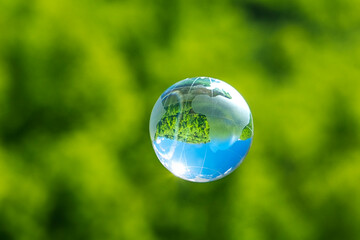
(78,80)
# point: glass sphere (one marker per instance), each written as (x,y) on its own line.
(201,129)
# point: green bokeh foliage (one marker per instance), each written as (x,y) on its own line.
(78,80)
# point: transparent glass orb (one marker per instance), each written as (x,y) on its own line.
(201,129)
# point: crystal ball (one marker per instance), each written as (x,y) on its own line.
(201,129)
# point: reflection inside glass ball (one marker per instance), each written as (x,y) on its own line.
(201,129)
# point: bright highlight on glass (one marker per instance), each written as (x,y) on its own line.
(201,129)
